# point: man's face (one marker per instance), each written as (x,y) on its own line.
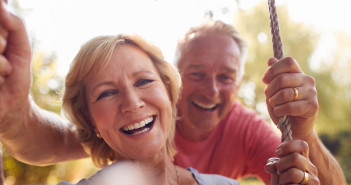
(209,67)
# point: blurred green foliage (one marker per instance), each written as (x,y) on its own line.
(47,92)
(300,41)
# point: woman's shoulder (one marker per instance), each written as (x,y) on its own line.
(212,179)
(81,182)
(123,172)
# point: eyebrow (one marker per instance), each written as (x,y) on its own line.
(196,66)
(111,82)
(101,84)
(200,66)
(230,70)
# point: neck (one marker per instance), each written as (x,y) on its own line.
(161,169)
(190,132)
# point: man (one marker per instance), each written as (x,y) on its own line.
(214,133)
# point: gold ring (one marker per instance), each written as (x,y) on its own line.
(296,94)
(305,178)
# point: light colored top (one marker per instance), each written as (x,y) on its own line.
(124,173)
(239,147)
(212,179)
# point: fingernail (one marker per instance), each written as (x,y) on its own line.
(278,152)
(269,162)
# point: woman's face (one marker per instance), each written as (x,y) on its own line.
(129,104)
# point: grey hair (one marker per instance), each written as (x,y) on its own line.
(215,26)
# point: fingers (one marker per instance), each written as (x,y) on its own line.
(285,65)
(271,167)
(280,96)
(6,18)
(292,146)
(302,109)
(15,51)
(305,85)
(297,176)
(12,28)
(3,38)
(5,67)
(293,164)
(290,92)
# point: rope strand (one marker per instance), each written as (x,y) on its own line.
(284,124)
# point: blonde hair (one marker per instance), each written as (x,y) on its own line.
(217,27)
(95,55)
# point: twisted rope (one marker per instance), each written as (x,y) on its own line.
(284,124)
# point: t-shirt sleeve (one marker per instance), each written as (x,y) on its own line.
(262,142)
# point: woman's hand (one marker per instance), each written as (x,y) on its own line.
(15,58)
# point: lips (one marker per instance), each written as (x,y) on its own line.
(140,127)
(207,107)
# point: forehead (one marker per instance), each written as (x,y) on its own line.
(210,50)
(125,59)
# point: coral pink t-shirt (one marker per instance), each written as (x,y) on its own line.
(237,148)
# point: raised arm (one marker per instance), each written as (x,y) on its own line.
(291,92)
(30,134)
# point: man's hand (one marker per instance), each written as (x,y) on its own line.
(293,165)
(291,92)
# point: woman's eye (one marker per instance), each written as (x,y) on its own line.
(106,94)
(142,82)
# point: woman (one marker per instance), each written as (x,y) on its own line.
(122,97)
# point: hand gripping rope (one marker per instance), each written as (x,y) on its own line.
(284,124)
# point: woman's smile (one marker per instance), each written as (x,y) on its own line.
(139,127)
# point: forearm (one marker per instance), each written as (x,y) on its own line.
(329,170)
(38,137)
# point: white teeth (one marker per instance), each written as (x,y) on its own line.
(209,106)
(141,131)
(139,125)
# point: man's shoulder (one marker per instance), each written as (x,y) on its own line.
(241,113)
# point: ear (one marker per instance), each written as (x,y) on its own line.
(97,133)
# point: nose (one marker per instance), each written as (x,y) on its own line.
(210,89)
(131,101)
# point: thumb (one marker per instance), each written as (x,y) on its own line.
(271,61)
(271,168)
(17,38)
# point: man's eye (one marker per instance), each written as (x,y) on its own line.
(196,76)
(106,94)
(226,79)
(142,82)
